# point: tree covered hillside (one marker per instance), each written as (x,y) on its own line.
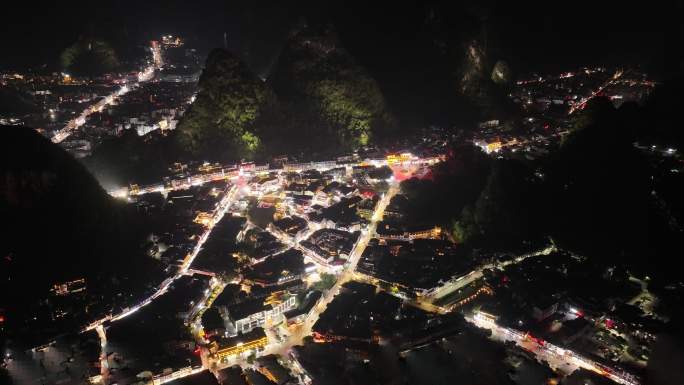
(224,120)
(327,93)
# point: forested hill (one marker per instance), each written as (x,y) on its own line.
(226,120)
(318,99)
(330,96)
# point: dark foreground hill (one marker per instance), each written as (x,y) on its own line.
(60,225)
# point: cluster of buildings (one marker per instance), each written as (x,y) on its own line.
(154,106)
(47,102)
(548,297)
(144,100)
(413,267)
(267,370)
(331,246)
(299,223)
(184,216)
(69,287)
(571,88)
(243,311)
(549,103)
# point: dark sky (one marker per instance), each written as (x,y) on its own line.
(533,36)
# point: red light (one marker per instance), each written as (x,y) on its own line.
(318,337)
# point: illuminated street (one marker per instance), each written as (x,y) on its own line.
(563,360)
(220,211)
(143,76)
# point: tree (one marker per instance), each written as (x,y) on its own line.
(89,57)
(326,282)
(501,73)
(465,228)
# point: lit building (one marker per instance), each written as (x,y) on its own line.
(388,230)
(426,233)
(245,316)
(306,308)
(265,184)
(203,218)
(171,40)
(399,158)
(70,287)
(253,340)
(290,227)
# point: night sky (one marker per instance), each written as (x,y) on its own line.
(532,37)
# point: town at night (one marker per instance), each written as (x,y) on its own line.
(341,193)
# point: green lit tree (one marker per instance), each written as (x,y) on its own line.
(326,283)
(331,96)
(89,57)
(223,121)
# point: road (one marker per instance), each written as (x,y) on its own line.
(295,336)
(457,283)
(218,214)
(231,172)
(585,100)
(563,360)
(145,75)
(104,363)
(297,333)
